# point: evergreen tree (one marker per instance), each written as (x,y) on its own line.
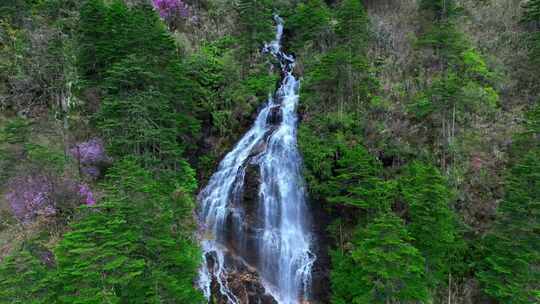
(382,268)
(352,25)
(310,22)
(108,34)
(510,271)
(531,16)
(92,31)
(20,276)
(356,180)
(532,11)
(150,102)
(439,9)
(432,223)
(255,23)
(340,79)
(127,249)
(140,115)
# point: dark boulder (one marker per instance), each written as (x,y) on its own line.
(275,116)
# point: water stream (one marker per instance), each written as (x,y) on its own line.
(278,245)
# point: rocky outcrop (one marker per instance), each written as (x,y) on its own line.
(242,278)
(320,286)
(275,116)
(246,286)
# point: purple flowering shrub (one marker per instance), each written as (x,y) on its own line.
(30,196)
(91,156)
(171,10)
(87,195)
(35,195)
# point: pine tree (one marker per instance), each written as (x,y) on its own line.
(92,31)
(439,9)
(340,79)
(432,223)
(126,250)
(310,22)
(20,277)
(531,17)
(356,180)
(532,11)
(352,26)
(255,23)
(150,101)
(108,34)
(510,271)
(382,268)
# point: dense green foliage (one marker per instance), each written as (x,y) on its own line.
(149,103)
(432,223)
(339,78)
(382,268)
(255,23)
(508,272)
(136,246)
(127,250)
(353,184)
(129,240)
(20,277)
(311,23)
(531,17)
(167,98)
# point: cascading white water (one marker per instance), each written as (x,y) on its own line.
(282,240)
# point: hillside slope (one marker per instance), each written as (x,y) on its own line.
(419,134)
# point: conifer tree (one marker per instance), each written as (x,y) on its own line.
(432,223)
(138,119)
(20,277)
(357,182)
(382,268)
(255,23)
(531,16)
(92,31)
(439,9)
(532,11)
(309,22)
(126,250)
(150,103)
(340,79)
(351,28)
(510,271)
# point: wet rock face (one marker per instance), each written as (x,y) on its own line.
(250,196)
(275,116)
(320,284)
(242,281)
(242,241)
(243,230)
(246,286)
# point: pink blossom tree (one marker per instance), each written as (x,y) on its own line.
(87,195)
(91,156)
(172,11)
(30,196)
(35,195)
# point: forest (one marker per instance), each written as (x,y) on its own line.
(418,133)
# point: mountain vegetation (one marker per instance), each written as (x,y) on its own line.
(419,132)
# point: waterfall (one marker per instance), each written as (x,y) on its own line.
(277,244)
